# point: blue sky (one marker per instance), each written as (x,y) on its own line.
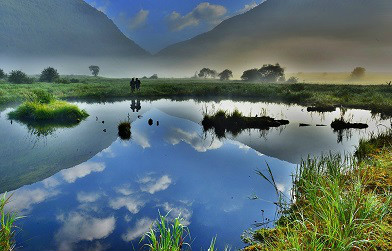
(155,24)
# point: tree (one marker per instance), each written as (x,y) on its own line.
(18,77)
(271,73)
(94,70)
(2,74)
(49,75)
(155,76)
(251,75)
(358,73)
(206,73)
(292,80)
(225,75)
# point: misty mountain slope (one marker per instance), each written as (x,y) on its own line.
(300,34)
(49,28)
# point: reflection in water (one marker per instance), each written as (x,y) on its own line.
(135,105)
(113,189)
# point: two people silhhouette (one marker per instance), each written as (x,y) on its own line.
(135,84)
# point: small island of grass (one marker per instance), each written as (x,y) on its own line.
(43,108)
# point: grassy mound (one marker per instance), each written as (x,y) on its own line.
(42,107)
(235,122)
(339,204)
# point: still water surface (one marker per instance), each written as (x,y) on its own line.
(83,188)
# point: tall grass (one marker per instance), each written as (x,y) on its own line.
(332,209)
(7,228)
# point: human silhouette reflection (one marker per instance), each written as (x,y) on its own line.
(135,105)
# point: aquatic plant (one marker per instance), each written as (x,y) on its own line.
(124,130)
(7,227)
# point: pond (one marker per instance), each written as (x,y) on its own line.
(84,188)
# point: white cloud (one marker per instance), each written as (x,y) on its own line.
(204,12)
(132,204)
(142,140)
(80,227)
(103,8)
(184,213)
(142,226)
(192,138)
(50,182)
(23,199)
(139,20)
(248,7)
(82,170)
(150,185)
(83,197)
(124,191)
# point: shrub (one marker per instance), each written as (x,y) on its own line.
(155,76)
(74,80)
(292,80)
(63,81)
(358,73)
(49,75)
(19,77)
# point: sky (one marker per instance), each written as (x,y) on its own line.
(155,24)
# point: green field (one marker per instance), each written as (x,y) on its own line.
(377,98)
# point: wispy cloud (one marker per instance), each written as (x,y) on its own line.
(139,20)
(82,170)
(142,226)
(204,12)
(151,185)
(81,227)
(132,204)
(248,7)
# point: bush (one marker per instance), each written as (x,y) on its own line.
(358,73)
(49,75)
(155,76)
(63,81)
(74,80)
(19,77)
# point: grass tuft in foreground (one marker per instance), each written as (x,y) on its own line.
(171,236)
(43,107)
(7,228)
(338,204)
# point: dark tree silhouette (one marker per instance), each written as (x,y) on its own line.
(94,70)
(225,75)
(155,76)
(271,73)
(251,75)
(358,73)
(207,73)
(49,75)
(18,77)
(2,74)
(292,80)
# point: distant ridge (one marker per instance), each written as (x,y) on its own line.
(51,28)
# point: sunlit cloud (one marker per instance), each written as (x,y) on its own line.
(81,227)
(248,7)
(50,182)
(133,205)
(204,12)
(82,170)
(141,227)
(142,141)
(151,185)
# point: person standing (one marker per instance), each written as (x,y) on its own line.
(133,84)
(138,83)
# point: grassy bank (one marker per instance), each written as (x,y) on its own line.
(339,204)
(43,107)
(377,98)
(7,227)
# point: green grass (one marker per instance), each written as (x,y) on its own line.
(339,204)
(165,235)
(377,98)
(43,107)
(7,226)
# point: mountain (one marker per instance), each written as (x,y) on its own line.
(299,34)
(52,28)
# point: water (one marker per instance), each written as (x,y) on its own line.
(82,188)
